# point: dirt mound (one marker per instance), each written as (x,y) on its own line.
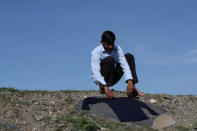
(55,110)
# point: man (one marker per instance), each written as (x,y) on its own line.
(108,64)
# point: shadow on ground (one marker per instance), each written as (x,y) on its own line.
(122,109)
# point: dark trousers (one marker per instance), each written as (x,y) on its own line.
(113,74)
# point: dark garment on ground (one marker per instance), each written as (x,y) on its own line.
(112,74)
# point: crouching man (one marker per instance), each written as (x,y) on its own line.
(109,63)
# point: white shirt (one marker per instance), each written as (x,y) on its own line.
(99,54)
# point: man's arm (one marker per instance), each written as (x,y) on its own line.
(96,75)
(95,68)
(124,65)
(126,70)
(130,87)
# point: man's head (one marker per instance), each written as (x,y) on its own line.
(108,40)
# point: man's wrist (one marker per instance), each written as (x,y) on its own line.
(106,87)
(130,83)
(101,85)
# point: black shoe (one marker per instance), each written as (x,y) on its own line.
(134,94)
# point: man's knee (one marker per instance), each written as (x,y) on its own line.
(108,60)
(107,68)
(129,57)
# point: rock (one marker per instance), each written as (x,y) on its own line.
(164,120)
(103,129)
(174,101)
(43,124)
(54,117)
(165,96)
(30,101)
(153,101)
(52,102)
(61,125)
(122,109)
(36,103)
(38,117)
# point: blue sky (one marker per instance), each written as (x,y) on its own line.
(46,44)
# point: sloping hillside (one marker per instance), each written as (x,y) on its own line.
(55,110)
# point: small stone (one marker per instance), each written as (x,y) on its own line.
(53,118)
(30,101)
(174,101)
(38,117)
(52,102)
(43,124)
(61,125)
(153,101)
(53,110)
(165,96)
(166,105)
(103,129)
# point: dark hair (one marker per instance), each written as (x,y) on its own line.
(108,37)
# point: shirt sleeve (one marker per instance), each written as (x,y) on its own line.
(124,64)
(95,68)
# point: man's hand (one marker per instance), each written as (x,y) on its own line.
(130,87)
(108,92)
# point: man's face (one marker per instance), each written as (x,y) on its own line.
(108,47)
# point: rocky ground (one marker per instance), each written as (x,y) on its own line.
(55,110)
